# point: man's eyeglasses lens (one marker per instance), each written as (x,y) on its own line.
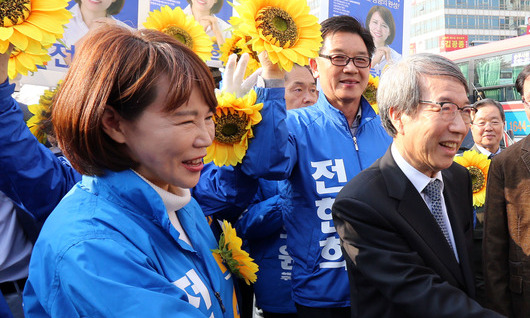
(448,110)
(343,60)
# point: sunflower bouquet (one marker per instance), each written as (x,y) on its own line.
(182,27)
(370,93)
(284,29)
(478,166)
(238,261)
(234,119)
(31,27)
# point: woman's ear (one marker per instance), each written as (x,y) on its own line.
(113,125)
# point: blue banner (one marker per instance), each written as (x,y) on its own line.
(384,19)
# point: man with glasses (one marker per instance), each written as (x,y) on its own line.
(405,223)
(488,127)
(506,223)
(318,149)
(488,131)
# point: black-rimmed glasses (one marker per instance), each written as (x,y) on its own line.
(343,60)
(448,110)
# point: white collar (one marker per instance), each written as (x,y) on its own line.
(418,179)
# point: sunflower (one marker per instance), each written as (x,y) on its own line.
(182,27)
(478,166)
(238,261)
(234,118)
(238,44)
(31,25)
(284,29)
(24,62)
(40,123)
(370,93)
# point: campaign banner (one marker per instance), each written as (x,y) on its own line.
(121,12)
(452,42)
(384,20)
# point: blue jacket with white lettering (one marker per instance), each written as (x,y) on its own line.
(315,150)
(261,226)
(110,250)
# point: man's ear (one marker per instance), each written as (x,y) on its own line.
(112,125)
(314,67)
(396,119)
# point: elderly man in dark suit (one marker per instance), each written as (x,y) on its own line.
(507,223)
(405,223)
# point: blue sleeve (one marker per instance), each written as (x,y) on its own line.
(4,308)
(261,219)
(32,176)
(265,216)
(124,285)
(224,191)
(271,153)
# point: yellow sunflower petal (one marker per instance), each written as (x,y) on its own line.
(183,27)
(47,5)
(279,27)
(5,33)
(478,166)
(45,21)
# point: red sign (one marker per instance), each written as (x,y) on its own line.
(412,48)
(452,42)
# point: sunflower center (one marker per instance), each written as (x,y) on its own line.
(279,24)
(477,178)
(14,12)
(180,35)
(230,128)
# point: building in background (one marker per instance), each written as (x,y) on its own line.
(447,25)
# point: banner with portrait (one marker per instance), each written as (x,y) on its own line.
(122,12)
(384,20)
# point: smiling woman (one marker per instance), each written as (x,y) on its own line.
(380,23)
(138,129)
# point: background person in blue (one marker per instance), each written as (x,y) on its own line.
(129,240)
(318,149)
(262,226)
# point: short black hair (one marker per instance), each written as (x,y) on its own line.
(345,23)
(519,82)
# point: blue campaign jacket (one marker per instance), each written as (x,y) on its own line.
(109,250)
(30,174)
(314,149)
(261,226)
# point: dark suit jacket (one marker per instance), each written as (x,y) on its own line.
(399,262)
(507,231)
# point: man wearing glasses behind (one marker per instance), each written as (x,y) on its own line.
(488,132)
(318,149)
(405,223)
(507,223)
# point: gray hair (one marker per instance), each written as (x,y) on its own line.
(400,85)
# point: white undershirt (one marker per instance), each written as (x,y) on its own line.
(173,201)
(420,181)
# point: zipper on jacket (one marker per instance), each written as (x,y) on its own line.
(355,142)
(218,296)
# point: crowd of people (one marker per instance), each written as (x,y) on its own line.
(347,213)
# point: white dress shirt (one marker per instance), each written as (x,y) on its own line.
(420,181)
